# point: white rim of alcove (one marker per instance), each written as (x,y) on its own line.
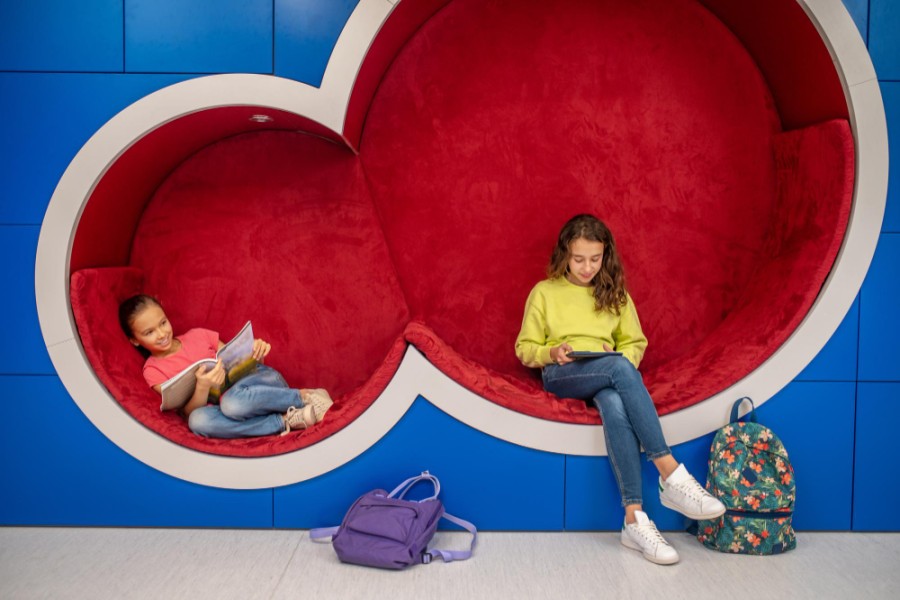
(327,105)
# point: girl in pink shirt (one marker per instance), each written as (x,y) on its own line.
(259,404)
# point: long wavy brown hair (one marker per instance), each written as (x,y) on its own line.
(609,282)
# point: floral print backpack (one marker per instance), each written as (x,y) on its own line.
(749,471)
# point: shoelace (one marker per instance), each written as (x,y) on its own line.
(650,533)
(692,489)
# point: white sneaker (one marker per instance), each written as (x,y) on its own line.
(683,494)
(643,535)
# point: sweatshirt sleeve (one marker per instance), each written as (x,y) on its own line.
(629,337)
(531,345)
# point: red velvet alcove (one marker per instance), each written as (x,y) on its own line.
(726,179)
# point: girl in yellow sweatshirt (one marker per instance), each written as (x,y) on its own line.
(583,306)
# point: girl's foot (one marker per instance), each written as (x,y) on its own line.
(682,493)
(319,400)
(642,535)
(298,418)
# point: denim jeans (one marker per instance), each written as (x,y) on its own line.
(629,416)
(252,407)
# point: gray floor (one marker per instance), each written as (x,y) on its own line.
(187,563)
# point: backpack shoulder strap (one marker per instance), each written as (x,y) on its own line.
(451,555)
(319,535)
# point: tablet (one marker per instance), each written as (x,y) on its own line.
(580,354)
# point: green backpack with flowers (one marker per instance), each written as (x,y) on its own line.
(749,471)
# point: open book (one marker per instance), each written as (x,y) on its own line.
(237,360)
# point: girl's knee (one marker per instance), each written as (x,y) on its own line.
(201,421)
(611,406)
(232,406)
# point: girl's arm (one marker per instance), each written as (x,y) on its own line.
(629,337)
(206,379)
(531,345)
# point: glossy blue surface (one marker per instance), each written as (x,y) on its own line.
(305,34)
(61,35)
(26,353)
(198,36)
(879,324)
(884,41)
(890,94)
(876,486)
(58,469)
(837,360)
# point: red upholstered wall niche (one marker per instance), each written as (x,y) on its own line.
(495,123)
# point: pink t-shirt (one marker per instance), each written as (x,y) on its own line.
(195,345)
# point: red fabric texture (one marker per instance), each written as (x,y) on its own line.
(496,123)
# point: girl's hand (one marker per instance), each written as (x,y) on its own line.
(214,377)
(558,354)
(608,348)
(261,349)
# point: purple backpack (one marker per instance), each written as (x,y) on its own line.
(384,530)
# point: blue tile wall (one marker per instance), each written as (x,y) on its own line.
(859,10)
(481,476)
(58,469)
(884,42)
(50,117)
(879,323)
(198,36)
(876,485)
(26,353)
(890,93)
(305,34)
(837,360)
(60,35)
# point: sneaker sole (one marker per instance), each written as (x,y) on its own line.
(659,561)
(695,516)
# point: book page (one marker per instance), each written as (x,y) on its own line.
(179,389)
(237,355)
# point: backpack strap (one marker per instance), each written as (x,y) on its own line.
(319,535)
(750,415)
(400,491)
(451,555)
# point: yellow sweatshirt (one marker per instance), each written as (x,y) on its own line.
(559,311)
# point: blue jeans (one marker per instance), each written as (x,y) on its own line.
(629,416)
(250,408)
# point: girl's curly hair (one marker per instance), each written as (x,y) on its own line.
(609,282)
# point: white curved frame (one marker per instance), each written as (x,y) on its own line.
(328,105)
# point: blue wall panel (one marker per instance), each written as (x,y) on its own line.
(26,352)
(305,34)
(50,117)
(890,93)
(198,36)
(58,469)
(837,360)
(859,10)
(884,41)
(876,486)
(494,484)
(879,324)
(815,423)
(61,35)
